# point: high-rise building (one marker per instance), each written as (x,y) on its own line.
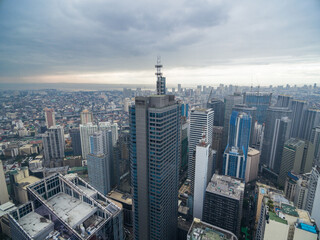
(184,147)
(229,102)
(98,164)
(203,173)
(53,146)
(217,135)
(311,120)
(259,100)
(179,88)
(313,182)
(280,136)
(50,117)
(218,108)
(307,158)
(76,141)
(223,203)
(284,101)
(298,108)
(315,213)
(315,139)
(252,111)
(86,117)
(252,165)
(185,110)
(235,154)
(291,158)
(115,134)
(126,104)
(270,130)
(86,130)
(155,125)
(201,122)
(4,196)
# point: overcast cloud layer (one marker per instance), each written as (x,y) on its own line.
(239,42)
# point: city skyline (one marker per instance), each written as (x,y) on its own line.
(212,42)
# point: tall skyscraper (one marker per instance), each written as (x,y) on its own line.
(259,100)
(273,113)
(252,165)
(179,88)
(4,196)
(155,156)
(314,181)
(315,139)
(298,108)
(115,134)
(284,101)
(86,130)
(311,120)
(218,108)
(203,172)
(50,117)
(307,158)
(161,81)
(217,135)
(76,141)
(229,102)
(86,117)
(280,136)
(53,146)
(235,154)
(223,203)
(291,158)
(98,164)
(201,121)
(252,111)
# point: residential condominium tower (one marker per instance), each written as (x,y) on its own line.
(201,123)
(86,130)
(155,126)
(53,146)
(50,117)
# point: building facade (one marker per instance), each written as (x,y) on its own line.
(53,146)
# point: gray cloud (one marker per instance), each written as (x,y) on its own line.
(57,36)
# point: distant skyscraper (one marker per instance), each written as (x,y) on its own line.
(161,81)
(280,136)
(155,156)
(252,111)
(86,117)
(229,102)
(259,100)
(218,108)
(201,121)
(4,197)
(50,117)
(203,172)
(126,104)
(273,113)
(291,158)
(217,135)
(235,155)
(98,164)
(86,130)
(311,120)
(284,101)
(179,88)
(53,146)
(315,139)
(307,158)
(252,166)
(76,141)
(223,203)
(184,109)
(298,108)
(115,134)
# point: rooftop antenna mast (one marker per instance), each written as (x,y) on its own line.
(161,81)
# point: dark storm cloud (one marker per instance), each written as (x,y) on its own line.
(56,36)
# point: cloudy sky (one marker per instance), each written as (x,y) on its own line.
(245,42)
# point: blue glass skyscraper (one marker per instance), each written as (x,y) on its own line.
(235,155)
(259,100)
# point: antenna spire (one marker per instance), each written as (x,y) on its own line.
(161,81)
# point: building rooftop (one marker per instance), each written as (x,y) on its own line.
(274,217)
(252,151)
(226,186)
(120,197)
(25,182)
(6,208)
(290,210)
(87,191)
(203,231)
(70,209)
(34,224)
